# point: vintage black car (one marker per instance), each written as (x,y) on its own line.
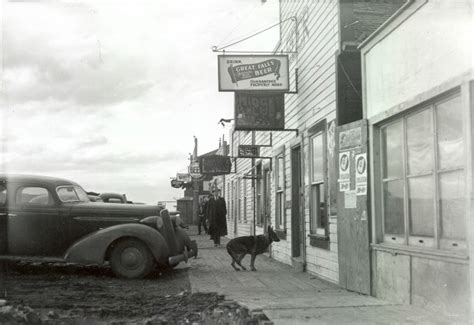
(51,219)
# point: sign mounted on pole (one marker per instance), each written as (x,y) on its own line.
(195,170)
(215,165)
(253,73)
(249,151)
(259,111)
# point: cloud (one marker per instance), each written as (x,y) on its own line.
(68,61)
(92,142)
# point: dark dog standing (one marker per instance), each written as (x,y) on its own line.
(253,245)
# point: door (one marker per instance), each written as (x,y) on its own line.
(266,198)
(235,205)
(3,217)
(297,240)
(353,224)
(35,226)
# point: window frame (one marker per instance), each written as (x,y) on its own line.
(280,211)
(435,243)
(316,230)
(245,199)
(19,192)
(259,194)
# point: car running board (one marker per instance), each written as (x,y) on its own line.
(33,259)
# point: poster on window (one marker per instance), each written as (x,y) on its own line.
(361,174)
(344,171)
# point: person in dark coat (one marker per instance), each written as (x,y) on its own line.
(216,212)
(203,215)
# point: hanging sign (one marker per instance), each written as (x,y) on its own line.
(361,174)
(248,151)
(215,165)
(183,177)
(176,184)
(253,72)
(259,111)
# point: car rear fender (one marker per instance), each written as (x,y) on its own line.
(92,249)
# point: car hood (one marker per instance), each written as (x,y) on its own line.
(116,208)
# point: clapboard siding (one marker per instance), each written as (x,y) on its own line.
(315,100)
(318,41)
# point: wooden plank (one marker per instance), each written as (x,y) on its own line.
(352,228)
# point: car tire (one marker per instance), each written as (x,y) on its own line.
(131,259)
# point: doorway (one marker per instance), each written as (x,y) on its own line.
(297,238)
(266,197)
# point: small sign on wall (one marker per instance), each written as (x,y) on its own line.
(350,199)
(349,139)
(361,174)
(344,171)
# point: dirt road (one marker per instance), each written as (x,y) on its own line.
(76,294)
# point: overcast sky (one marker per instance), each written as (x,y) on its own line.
(111,93)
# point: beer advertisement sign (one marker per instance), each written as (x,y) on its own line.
(253,72)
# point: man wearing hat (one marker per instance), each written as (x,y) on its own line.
(216,212)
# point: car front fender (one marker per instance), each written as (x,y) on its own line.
(92,248)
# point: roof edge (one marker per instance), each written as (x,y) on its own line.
(397,13)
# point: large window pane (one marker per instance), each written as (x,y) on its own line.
(420,202)
(393,207)
(281,172)
(452,205)
(317,157)
(322,218)
(450,133)
(314,209)
(318,207)
(420,142)
(392,150)
(3,195)
(279,210)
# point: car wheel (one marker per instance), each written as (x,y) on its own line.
(131,258)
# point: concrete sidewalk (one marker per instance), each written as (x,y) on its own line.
(290,297)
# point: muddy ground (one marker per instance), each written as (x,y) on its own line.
(71,294)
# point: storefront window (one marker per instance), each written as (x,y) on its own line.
(423,177)
(393,197)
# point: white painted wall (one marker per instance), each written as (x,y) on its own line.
(431,46)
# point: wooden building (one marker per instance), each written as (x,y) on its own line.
(296,191)
(418,93)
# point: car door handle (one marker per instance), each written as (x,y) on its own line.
(11,215)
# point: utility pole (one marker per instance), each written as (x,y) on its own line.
(195,185)
(254,189)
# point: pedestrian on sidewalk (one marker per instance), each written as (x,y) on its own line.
(216,212)
(203,215)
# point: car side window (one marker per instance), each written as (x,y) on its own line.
(114,200)
(34,196)
(3,195)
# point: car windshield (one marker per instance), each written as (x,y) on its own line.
(71,193)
